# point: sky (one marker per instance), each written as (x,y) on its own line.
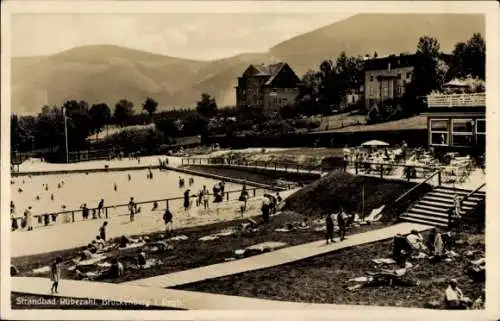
(195,36)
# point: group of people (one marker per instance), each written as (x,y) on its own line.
(361,155)
(342,220)
(269,206)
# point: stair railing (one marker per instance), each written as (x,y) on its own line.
(471,194)
(408,192)
(453,221)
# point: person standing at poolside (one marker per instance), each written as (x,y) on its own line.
(85,212)
(132,207)
(102,231)
(168,219)
(55,275)
(100,207)
(186,199)
(29,219)
(205,198)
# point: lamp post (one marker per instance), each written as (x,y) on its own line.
(66,134)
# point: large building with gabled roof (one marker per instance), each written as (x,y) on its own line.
(267,86)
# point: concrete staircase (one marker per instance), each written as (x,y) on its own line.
(433,208)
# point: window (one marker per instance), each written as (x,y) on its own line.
(462,132)
(371,78)
(385,92)
(439,131)
(399,90)
(481,126)
(481,132)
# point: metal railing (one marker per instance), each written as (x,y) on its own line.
(386,169)
(452,220)
(416,187)
(271,165)
(456,100)
(71,216)
(405,194)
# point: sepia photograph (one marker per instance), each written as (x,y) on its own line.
(249,156)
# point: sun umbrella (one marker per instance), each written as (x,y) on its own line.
(374,143)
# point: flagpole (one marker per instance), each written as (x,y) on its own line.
(66,134)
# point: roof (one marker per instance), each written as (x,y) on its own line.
(269,70)
(400,61)
(274,70)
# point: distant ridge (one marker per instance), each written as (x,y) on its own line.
(109,73)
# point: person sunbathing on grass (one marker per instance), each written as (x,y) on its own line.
(416,241)
(141,259)
(100,242)
(435,243)
(454,298)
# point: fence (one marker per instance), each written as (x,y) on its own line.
(288,167)
(71,216)
(409,172)
(457,100)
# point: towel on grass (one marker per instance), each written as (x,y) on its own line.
(41,270)
(92,261)
(179,238)
(209,238)
(384,261)
(132,246)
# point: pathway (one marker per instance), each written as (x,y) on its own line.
(158,297)
(67,236)
(271,259)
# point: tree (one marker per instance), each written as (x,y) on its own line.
(195,124)
(49,128)
(166,125)
(427,74)
(207,106)
(79,122)
(469,58)
(124,110)
(101,116)
(150,106)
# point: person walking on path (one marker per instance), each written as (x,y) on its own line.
(341,222)
(329,228)
(132,207)
(55,275)
(102,231)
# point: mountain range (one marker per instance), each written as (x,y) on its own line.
(106,73)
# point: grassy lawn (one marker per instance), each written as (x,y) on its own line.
(324,279)
(416,122)
(255,175)
(188,254)
(340,189)
(340,121)
(302,156)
